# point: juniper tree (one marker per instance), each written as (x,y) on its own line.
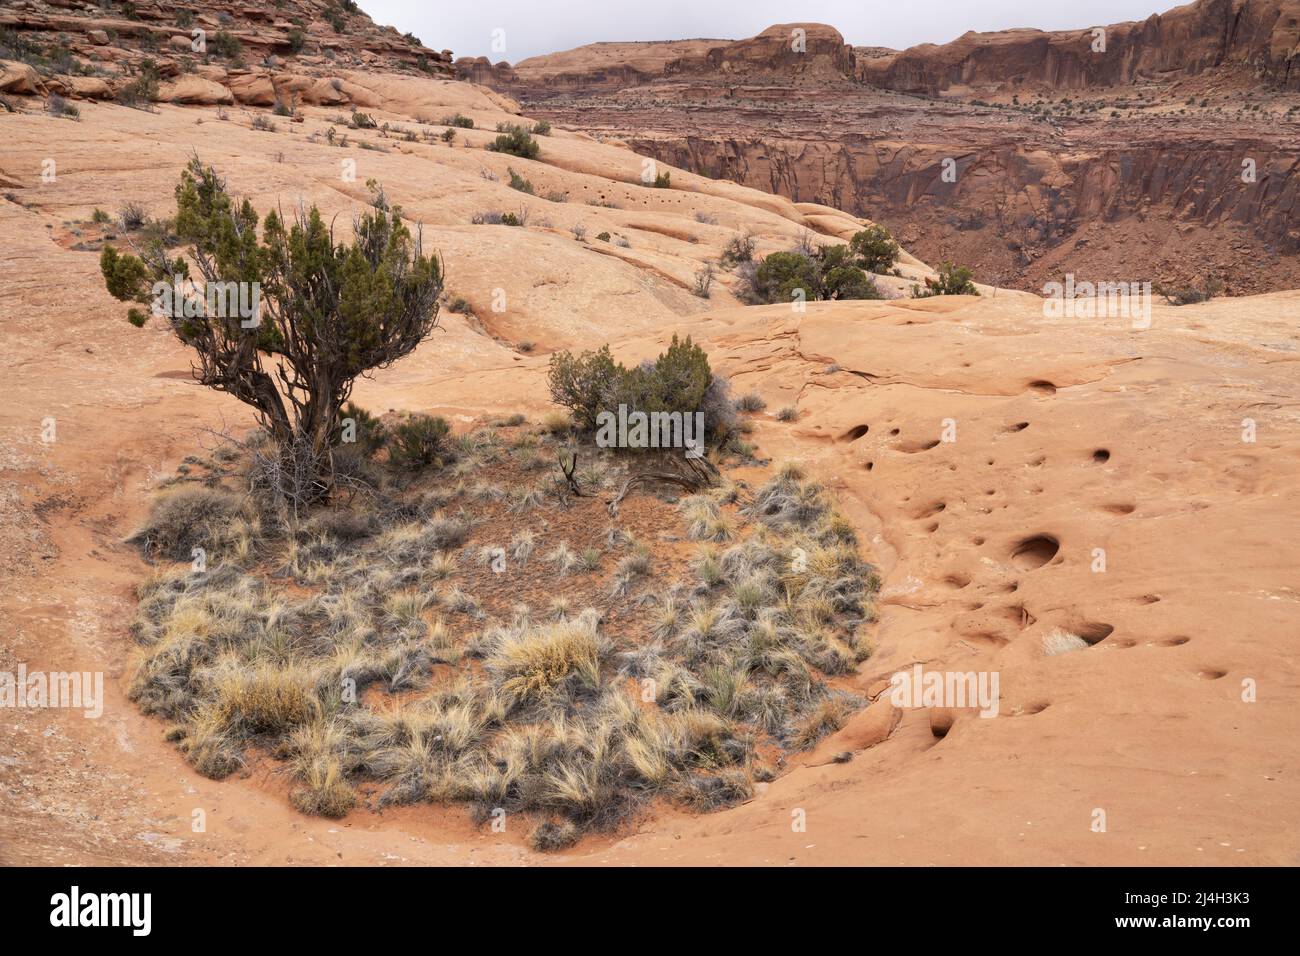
(875,248)
(827,273)
(329,311)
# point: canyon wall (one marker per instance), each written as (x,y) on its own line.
(1020,153)
(1256,38)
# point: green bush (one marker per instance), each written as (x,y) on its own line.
(518,182)
(663,180)
(419,441)
(515,140)
(459,121)
(952,280)
(542,128)
(679,380)
(297,40)
(738,249)
(827,273)
(143,89)
(225,43)
(875,249)
(359,428)
(585,384)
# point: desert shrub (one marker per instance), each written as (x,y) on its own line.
(750,402)
(663,180)
(226,44)
(15,45)
(263,123)
(132,216)
(782,276)
(532,666)
(359,428)
(1189,294)
(549,836)
(56,105)
(518,182)
(448,135)
(142,90)
(297,40)
(362,120)
(459,121)
(679,380)
(586,384)
(602,236)
(542,128)
(875,249)
(702,285)
(516,141)
(739,249)
(189,518)
(324,789)
(825,273)
(951,280)
(329,313)
(719,409)
(99,217)
(419,441)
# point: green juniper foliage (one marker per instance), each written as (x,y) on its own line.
(875,248)
(952,280)
(330,311)
(679,380)
(516,141)
(826,273)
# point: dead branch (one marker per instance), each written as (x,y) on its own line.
(569,470)
(701,473)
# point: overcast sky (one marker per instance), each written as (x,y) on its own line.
(546,26)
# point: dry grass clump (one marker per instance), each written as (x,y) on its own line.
(371,649)
(209,518)
(535,665)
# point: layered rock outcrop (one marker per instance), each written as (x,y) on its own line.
(1259,39)
(210,56)
(1020,153)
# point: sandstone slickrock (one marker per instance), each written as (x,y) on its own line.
(1071,435)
